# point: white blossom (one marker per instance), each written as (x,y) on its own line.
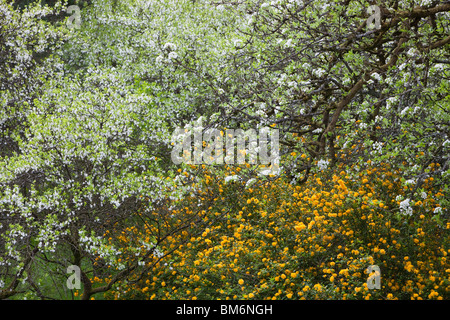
(288,43)
(318,130)
(376,76)
(231,178)
(173,55)
(170,46)
(322,164)
(405,207)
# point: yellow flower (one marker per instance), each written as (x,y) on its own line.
(241,282)
(299,227)
(344,272)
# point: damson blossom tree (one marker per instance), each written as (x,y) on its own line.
(92,156)
(92,165)
(343,91)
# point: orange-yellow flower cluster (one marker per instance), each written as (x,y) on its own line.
(275,240)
